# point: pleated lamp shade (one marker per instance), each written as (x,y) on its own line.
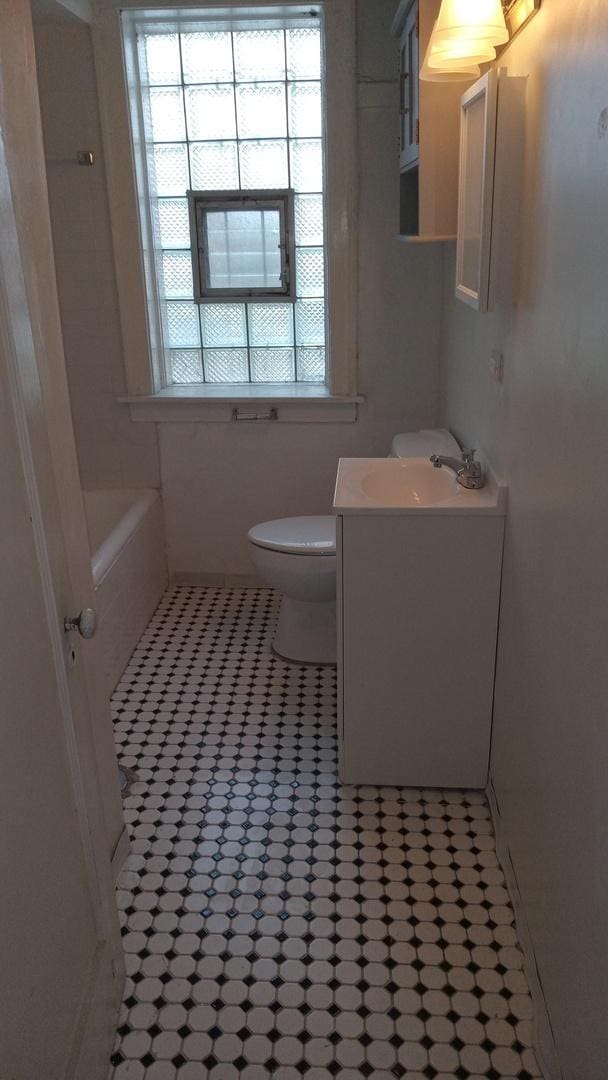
(461,53)
(471,20)
(441,75)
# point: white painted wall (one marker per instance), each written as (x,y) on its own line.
(219,479)
(112,451)
(546,429)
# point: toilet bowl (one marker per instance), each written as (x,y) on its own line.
(297,556)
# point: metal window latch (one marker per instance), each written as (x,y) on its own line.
(251,418)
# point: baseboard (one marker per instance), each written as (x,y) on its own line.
(95,1028)
(544,1041)
(121,851)
(234,581)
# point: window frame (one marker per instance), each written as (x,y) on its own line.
(281,199)
(133,246)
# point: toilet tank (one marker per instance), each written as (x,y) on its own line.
(424,443)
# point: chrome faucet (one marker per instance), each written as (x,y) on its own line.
(469,473)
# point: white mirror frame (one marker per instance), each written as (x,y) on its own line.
(485,88)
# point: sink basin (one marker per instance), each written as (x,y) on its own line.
(410,486)
(409,482)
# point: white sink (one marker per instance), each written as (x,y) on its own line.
(408,482)
(410,485)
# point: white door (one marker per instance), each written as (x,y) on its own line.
(61,973)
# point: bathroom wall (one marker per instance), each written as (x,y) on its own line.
(545,428)
(112,451)
(219,479)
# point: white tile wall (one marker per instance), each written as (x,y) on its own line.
(112,451)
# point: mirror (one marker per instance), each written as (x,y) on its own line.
(476,191)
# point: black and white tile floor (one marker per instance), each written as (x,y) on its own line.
(279,924)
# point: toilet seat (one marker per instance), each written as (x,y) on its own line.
(297,535)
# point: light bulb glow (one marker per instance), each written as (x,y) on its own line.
(480,20)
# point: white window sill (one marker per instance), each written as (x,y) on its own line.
(291,403)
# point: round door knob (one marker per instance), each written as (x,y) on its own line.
(85,623)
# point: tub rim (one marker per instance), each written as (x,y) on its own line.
(103,558)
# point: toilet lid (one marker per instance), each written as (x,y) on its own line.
(297,535)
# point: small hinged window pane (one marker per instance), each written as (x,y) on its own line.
(242,244)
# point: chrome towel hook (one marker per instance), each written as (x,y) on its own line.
(81,157)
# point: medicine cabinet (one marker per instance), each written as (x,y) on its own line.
(409,63)
(478,109)
(428,132)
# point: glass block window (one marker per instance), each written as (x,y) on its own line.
(228,109)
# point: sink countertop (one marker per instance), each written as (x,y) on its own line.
(411,486)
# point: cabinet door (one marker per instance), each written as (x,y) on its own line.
(415,708)
(409,64)
(476,191)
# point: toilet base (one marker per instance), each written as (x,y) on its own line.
(306,632)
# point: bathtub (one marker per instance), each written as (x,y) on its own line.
(129,566)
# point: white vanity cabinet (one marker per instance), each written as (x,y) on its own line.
(418,598)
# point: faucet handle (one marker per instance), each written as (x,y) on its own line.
(468,456)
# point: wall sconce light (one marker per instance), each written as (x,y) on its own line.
(456,61)
(464,74)
(469,32)
(471,20)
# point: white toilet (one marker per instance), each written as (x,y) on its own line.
(297,556)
